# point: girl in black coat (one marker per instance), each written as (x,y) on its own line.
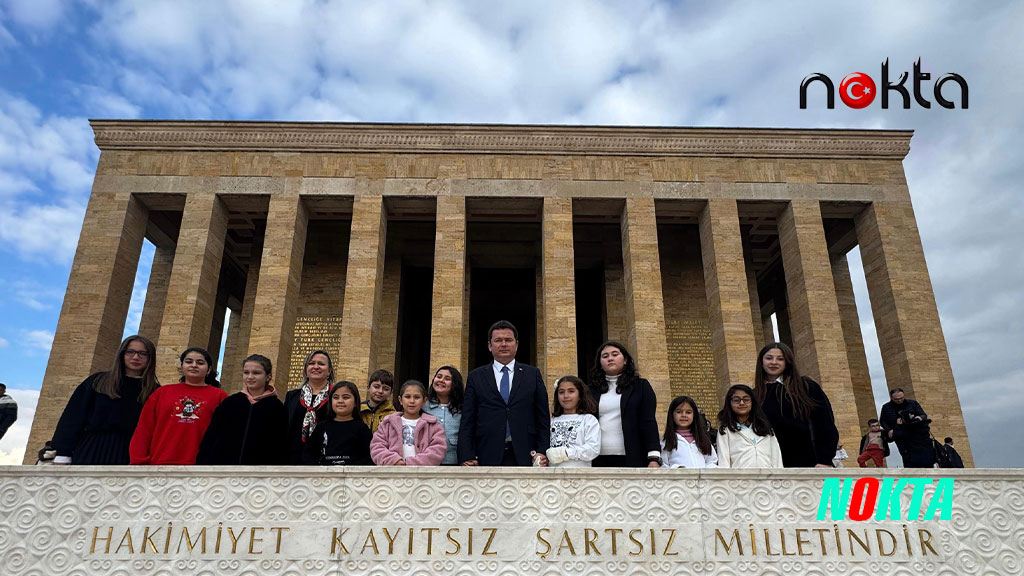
(100,418)
(626,411)
(797,408)
(248,427)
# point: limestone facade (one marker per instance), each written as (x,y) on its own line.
(389,245)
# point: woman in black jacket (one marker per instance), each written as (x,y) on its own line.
(248,427)
(100,418)
(309,404)
(798,409)
(626,411)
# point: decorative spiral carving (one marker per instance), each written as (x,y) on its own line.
(509,497)
(383,497)
(424,496)
(16,559)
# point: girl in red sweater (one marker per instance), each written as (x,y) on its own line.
(176,416)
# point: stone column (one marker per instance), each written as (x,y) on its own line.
(156,293)
(860,375)
(465,324)
(559,291)
(906,318)
(755,306)
(615,300)
(387,341)
(448,302)
(280,277)
(645,307)
(252,282)
(813,313)
(363,282)
(192,290)
(95,305)
(725,282)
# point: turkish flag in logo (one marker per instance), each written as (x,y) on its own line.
(857,90)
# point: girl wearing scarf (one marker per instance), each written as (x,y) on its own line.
(310,403)
(248,427)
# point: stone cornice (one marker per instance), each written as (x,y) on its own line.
(176,135)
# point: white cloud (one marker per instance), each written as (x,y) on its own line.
(3,343)
(37,15)
(38,339)
(46,168)
(13,444)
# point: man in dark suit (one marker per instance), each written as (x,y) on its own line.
(505,416)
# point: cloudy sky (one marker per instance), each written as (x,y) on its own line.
(574,62)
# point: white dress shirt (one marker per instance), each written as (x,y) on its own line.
(497,366)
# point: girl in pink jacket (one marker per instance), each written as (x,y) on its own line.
(410,437)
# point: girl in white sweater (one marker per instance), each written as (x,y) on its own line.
(575,431)
(687,443)
(745,437)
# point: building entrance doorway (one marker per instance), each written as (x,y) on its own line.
(502,294)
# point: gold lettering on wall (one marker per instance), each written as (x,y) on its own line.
(692,363)
(312,333)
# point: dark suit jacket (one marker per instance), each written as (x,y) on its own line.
(637,405)
(484,414)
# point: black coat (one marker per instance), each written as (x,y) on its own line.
(638,406)
(484,414)
(245,433)
(912,438)
(8,413)
(294,445)
(96,429)
(804,443)
(891,412)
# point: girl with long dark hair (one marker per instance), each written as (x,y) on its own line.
(745,436)
(100,418)
(797,408)
(626,407)
(687,443)
(444,402)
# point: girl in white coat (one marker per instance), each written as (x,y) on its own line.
(687,443)
(745,437)
(575,431)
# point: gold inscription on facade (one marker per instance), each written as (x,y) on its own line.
(692,363)
(313,333)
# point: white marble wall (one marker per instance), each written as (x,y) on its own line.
(310,521)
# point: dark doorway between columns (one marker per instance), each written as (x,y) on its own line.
(590,317)
(412,358)
(502,294)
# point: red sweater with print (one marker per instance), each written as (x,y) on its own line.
(172,424)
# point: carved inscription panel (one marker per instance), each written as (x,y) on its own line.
(310,521)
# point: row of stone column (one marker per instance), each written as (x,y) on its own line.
(183,286)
